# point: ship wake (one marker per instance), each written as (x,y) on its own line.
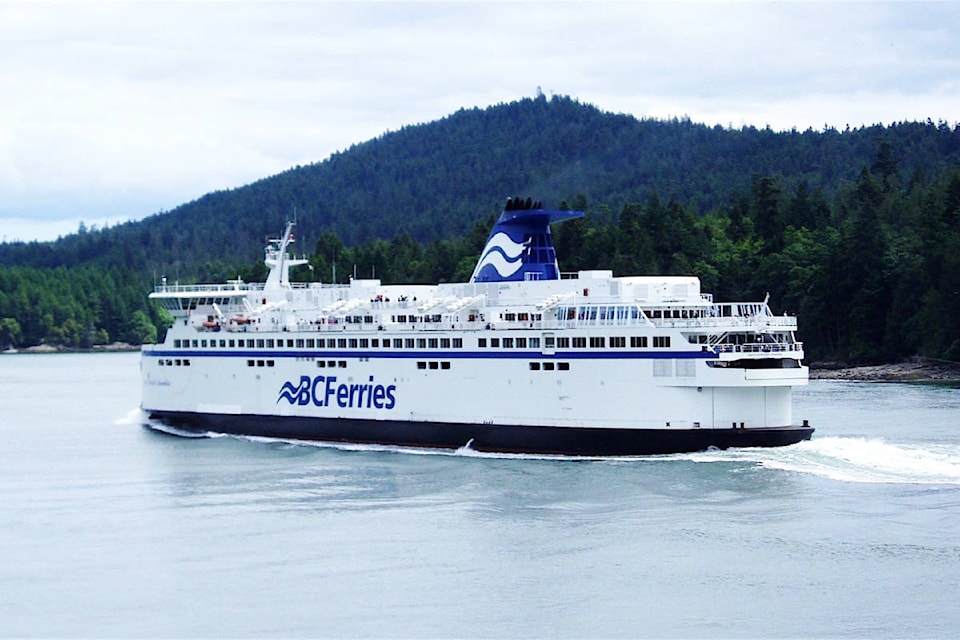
(847,459)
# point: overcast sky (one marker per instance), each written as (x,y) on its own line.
(111,111)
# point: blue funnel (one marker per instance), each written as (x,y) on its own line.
(520,246)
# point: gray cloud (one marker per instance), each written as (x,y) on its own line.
(117,110)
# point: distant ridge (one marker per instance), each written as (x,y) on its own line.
(436,180)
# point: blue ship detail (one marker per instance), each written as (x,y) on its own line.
(520,245)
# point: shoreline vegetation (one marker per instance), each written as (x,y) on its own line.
(915,369)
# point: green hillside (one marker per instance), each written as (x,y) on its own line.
(436,180)
(857,231)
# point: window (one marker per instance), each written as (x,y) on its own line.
(433,342)
(445,364)
(481,342)
(341,343)
(661,341)
(494,342)
(458,343)
(534,366)
(421,343)
(299,343)
(310,343)
(638,342)
(364,343)
(534,343)
(597,342)
(563,366)
(353,343)
(508,343)
(269,343)
(563,343)
(444,343)
(521,343)
(397,343)
(618,341)
(409,343)
(434,364)
(579,343)
(548,366)
(421,364)
(261,342)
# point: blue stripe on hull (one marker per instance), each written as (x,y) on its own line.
(493,438)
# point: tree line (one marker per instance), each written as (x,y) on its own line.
(872,272)
(854,230)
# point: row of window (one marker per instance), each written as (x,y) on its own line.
(549,366)
(174,362)
(550,342)
(321,343)
(433,364)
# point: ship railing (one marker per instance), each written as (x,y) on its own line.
(783,323)
(208,288)
(773,322)
(759,347)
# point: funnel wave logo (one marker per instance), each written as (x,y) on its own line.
(503,254)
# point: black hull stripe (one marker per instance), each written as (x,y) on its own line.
(573,441)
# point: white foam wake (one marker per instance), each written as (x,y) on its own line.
(134,416)
(855,460)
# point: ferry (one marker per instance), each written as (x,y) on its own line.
(520,359)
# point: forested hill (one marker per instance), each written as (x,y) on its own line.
(857,232)
(436,180)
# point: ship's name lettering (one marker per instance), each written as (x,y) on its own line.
(324,391)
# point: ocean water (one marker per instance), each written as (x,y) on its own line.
(111,529)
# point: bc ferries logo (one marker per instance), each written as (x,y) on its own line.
(503,254)
(323,391)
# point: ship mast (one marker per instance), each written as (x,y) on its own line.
(277,260)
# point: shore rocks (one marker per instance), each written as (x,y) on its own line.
(913,370)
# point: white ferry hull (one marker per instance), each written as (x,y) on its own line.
(596,405)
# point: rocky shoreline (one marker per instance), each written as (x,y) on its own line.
(913,370)
(97,348)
